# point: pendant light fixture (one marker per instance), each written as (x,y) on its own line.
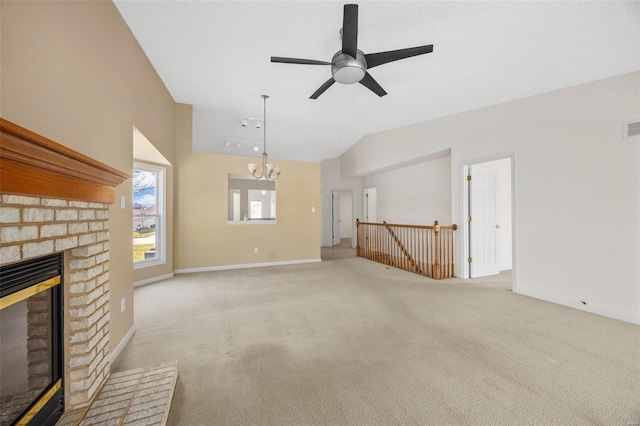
(269,171)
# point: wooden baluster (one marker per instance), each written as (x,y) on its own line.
(403,256)
(403,239)
(446,268)
(370,245)
(413,247)
(377,244)
(357,237)
(379,248)
(366,244)
(398,261)
(374,236)
(406,242)
(431,246)
(422,251)
(445,253)
(436,265)
(415,250)
(376,233)
(429,252)
(453,253)
(387,248)
(410,265)
(364,241)
(369,242)
(450,253)
(426,249)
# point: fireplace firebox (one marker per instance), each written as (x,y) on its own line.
(31,345)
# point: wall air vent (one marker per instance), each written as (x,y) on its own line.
(631,129)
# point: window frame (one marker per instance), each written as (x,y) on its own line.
(160,258)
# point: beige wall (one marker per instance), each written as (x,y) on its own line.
(73,72)
(203,239)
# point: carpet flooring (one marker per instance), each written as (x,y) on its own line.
(352,342)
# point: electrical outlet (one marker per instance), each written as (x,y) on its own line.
(122,305)
(255,249)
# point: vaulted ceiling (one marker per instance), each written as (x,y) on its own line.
(215,55)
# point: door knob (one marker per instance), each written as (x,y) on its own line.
(497,226)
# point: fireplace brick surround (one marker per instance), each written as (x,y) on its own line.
(56,200)
(34,226)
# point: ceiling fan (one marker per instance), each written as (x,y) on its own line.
(350,64)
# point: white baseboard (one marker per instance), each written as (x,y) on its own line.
(244,266)
(578,305)
(152,280)
(115,353)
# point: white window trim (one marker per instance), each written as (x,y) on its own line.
(161,246)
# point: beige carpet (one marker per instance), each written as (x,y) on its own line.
(349,341)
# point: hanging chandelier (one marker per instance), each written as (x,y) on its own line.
(269,171)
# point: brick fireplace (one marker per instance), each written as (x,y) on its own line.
(54,200)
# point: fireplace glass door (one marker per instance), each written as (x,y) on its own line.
(31,342)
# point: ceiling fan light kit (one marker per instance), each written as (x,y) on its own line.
(350,64)
(348,70)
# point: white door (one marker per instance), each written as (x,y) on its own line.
(483,227)
(371,205)
(335,218)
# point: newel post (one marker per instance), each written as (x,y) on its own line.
(357,237)
(437,271)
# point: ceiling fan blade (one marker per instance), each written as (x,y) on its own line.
(375,59)
(350,30)
(322,88)
(368,82)
(298,61)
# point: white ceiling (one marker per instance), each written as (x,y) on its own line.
(215,55)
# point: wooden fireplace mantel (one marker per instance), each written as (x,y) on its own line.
(31,164)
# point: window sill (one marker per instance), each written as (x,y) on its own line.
(141,264)
(252,222)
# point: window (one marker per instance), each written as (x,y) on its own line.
(148,216)
(256,209)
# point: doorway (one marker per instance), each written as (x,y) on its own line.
(488,237)
(341,217)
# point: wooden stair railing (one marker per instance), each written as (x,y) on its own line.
(416,268)
(425,250)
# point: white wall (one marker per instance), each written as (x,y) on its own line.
(504,212)
(346,214)
(417,194)
(577,186)
(332,181)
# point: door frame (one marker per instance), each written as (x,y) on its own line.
(464,211)
(353,214)
(334,202)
